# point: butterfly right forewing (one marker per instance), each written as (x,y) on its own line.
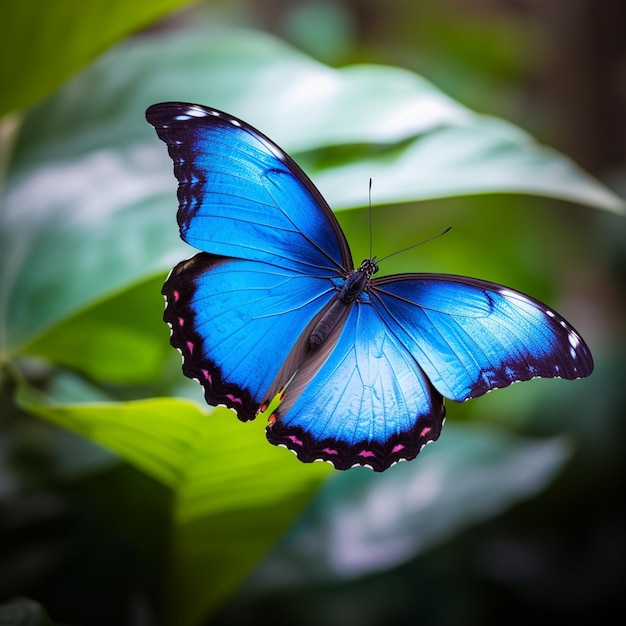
(471,336)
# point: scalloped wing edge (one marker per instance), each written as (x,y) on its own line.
(370,454)
(179,317)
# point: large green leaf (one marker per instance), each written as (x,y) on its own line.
(42,43)
(234,494)
(122,339)
(90,199)
(486,155)
(300,103)
(361,523)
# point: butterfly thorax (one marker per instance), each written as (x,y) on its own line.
(354,285)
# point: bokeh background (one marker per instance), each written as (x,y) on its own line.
(88,535)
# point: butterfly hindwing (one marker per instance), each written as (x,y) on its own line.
(363,401)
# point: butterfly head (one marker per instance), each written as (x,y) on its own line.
(369,267)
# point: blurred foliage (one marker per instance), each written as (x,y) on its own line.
(23,612)
(49,41)
(122,501)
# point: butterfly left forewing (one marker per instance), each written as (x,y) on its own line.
(241,196)
(276,254)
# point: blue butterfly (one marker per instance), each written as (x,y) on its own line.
(274,307)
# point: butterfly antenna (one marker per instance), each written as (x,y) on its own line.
(371,232)
(441,234)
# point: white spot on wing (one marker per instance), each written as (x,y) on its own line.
(574,339)
(190,114)
(196,112)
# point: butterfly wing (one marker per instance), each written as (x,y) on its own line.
(234,321)
(277,254)
(241,312)
(375,395)
(362,399)
(241,196)
(470,336)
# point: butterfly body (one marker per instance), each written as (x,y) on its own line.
(273,306)
(354,285)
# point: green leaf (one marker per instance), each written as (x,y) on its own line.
(234,494)
(90,198)
(362,522)
(122,339)
(43,43)
(182,447)
(487,155)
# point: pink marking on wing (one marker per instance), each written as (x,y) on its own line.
(176,295)
(330,451)
(190,346)
(295,440)
(233,398)
(207,376)
(181,321)
(425,431)
(366,453)
(397,448)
